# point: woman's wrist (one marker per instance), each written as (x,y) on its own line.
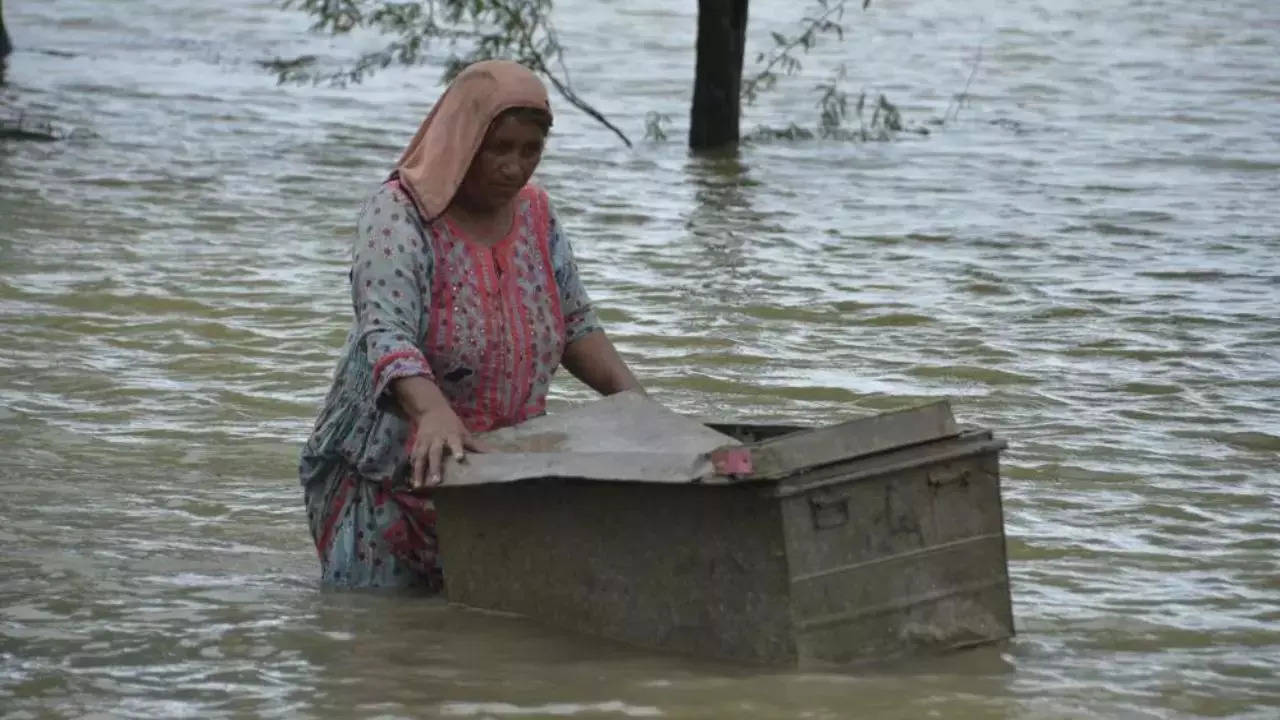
(431,412)
(418,397)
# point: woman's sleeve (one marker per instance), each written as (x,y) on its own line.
(579,317)
(390,269)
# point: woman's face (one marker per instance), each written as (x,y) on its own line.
(504,163)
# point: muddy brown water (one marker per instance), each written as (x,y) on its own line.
(1084,260)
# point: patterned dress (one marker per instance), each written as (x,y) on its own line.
(488,325)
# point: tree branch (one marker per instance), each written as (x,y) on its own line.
(518,29)
(562,86)
(582,105)
(781,52)
(959,99)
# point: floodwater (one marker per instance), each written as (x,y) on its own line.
(1086,258)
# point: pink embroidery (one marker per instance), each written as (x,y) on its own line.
(390,358)
(495,332)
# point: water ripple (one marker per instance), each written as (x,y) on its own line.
(1082,260)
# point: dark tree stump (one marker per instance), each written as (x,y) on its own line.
(722,34)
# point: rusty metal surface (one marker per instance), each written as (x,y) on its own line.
(964,445)
(688,568)
(905,557)
(888,540)
(791,453)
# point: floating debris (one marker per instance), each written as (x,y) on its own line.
(25,128)
(1013,126)
(791,132)
(280,65)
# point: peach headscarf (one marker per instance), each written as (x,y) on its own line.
(434,164)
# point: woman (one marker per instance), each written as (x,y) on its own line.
(466,299)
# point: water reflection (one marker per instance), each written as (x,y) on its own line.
(721,222)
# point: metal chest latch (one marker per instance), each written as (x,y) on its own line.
(940,477)
(829,513)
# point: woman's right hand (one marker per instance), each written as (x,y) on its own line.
(439,432)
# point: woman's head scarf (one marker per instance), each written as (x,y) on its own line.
(433,166)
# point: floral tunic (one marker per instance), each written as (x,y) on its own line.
(488,325)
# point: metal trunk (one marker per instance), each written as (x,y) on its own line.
(855,542)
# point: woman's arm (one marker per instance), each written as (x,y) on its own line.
(390,268)
(387,269)
(594,360)
(438,429)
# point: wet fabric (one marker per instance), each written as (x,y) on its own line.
(487,324)
(434,164)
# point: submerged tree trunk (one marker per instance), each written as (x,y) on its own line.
(5,47)
(722,36)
